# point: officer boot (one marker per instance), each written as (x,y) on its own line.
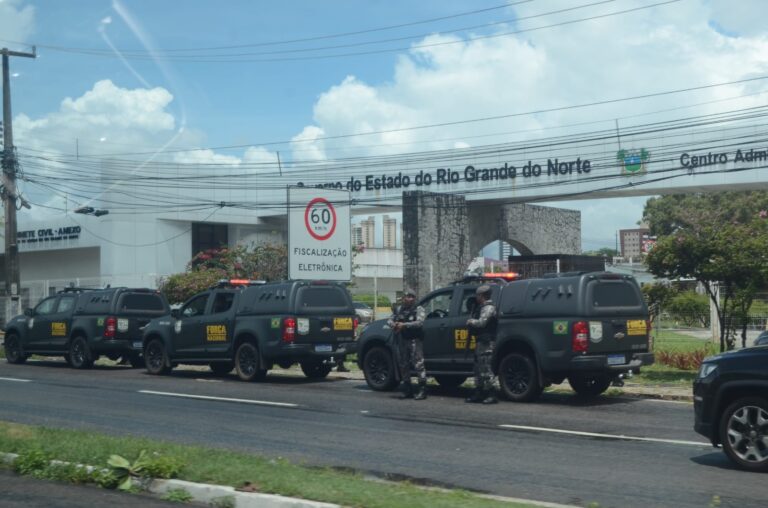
(407,390)
(477,396)
(490,398)
(421,394)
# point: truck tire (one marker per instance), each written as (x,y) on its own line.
(247,363)
(519,378)
(743,433)
(13,351)
(589,386)
(221,368)
(315,369)
(80,356)
(379,369)
(446,381)
(156,358)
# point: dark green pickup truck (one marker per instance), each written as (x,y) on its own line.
(251,326)
(588,328)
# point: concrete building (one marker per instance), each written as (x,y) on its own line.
(390,232)
(357,235)
(368,227)
(631,242)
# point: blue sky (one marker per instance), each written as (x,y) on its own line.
(441,72)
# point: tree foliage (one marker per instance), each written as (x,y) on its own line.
(720,240)
(261,262)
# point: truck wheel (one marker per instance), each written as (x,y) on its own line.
(13,351)
(379,369)
(156,358)
(450,381)
(221,368)
(519,378)
(247,363)
(80,356)
(744,433)
(315,370)
(589,386)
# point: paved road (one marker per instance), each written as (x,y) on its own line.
(507,449)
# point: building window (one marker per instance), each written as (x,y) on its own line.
(208,236)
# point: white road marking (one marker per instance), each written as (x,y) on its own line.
(619,437)
(220,399)
(17,380)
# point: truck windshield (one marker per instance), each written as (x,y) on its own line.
(141,302)
(614,294)
(314,297)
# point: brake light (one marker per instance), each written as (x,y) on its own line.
(289,329)
(355,324)
(580,337)
(110,326)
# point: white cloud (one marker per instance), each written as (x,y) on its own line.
(741,18)
(17,23)
(205,157)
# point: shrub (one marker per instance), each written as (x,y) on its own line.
(683,360)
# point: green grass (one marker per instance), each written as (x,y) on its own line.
(664,375)
(673,341)
(225,467)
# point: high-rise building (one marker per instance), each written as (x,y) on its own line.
(631,241)
(368,227)
(505,250)
(357,235)
(390,232)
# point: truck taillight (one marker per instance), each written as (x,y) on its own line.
(110,326)
(289,329)
(580,337)
(355,324)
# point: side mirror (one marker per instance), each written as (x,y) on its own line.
(29,312)
(175,313)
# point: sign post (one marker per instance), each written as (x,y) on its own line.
(319,234)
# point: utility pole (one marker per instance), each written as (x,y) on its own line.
(9,193)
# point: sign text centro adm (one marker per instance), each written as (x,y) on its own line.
(319,239)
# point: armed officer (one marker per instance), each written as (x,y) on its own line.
(483,325)
(407,322)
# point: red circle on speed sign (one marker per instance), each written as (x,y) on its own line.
(320,219)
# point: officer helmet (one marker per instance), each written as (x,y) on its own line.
(484,290)
(409,292)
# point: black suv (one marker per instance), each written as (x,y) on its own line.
(730,401)
(253,326)
(590,328)
(81,324)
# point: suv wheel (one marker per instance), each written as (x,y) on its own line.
(156,358)
(221,368)
(13,351)
(589,386)
(379,369)
(744,433)
(80,356)
(519,378)
(450,381)
(247,363)
(315,369)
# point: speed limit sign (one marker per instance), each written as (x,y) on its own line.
(320,219)
(319,234)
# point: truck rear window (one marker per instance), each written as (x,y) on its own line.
(612,294)
(316,297)
(149,302)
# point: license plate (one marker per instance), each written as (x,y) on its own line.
(136,345)
(342,323)
(323,348)
(636,327)
(616,359)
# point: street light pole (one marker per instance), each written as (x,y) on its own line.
(9,193)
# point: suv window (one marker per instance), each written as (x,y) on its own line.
(195,307)
(468,302)
(46,306)
(222,302)
(612,294)
(66,303)
(141,302)
(314,296)
(439,305)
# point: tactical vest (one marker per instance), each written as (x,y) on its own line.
(488,332)
(408,315)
